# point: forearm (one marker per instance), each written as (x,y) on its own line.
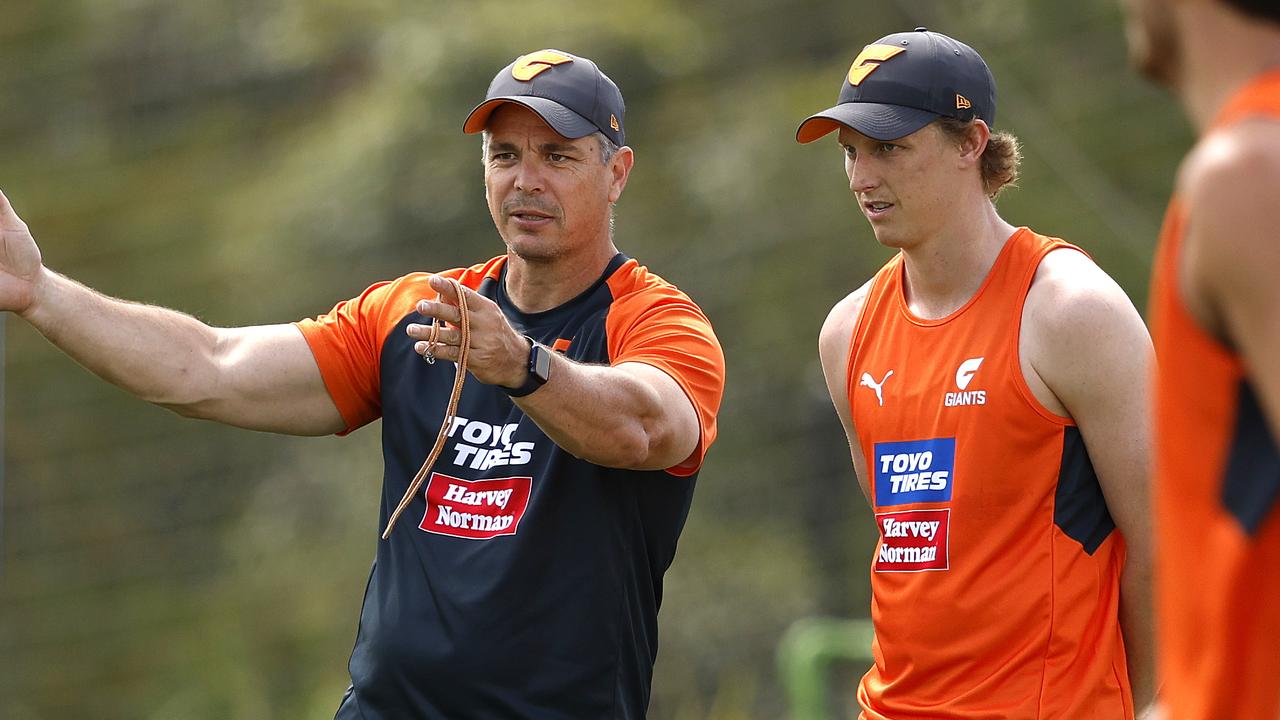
(608,416)
(1138,628)
(149,351)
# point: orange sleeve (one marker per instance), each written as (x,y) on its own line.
(347,341)
(662,327)
(347,344)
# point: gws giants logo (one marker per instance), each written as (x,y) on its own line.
(868,61)
(964,375)
(528,66)
(475,509)
(914,540)
(914,471)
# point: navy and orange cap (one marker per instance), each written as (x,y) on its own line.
(904,81)
(568,92)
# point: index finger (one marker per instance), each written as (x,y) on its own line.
(447,289)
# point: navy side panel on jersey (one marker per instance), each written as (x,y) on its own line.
(1251,486)
(1079,508)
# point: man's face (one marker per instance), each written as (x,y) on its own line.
(1153,39)
(548,195)
(904,187)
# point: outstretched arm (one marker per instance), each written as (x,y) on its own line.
(263,378)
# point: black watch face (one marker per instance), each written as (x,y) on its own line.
(540,363)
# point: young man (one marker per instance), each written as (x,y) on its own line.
(1215,309)
(992,382)
(524,580)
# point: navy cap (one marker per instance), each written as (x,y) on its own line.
(904,81)
(568,92)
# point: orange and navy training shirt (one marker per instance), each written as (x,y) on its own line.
(1217,493)
(996,579)
(522,582)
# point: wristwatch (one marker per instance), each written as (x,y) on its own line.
(539,369)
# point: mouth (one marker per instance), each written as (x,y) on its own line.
(530,217)
(875,209)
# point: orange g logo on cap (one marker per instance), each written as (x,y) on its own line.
(869,60)
(528,66)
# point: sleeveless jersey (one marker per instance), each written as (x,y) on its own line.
(522,582)
(995,582)
(1217,476)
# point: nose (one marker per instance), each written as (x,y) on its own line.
(862,175)
(528,176)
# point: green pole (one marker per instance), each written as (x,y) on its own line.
(806,651)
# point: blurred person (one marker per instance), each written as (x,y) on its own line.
(1215,310)
(525,579)
(993,385)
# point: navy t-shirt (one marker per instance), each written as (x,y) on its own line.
(522,582)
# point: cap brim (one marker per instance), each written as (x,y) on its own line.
(560,118)
(875,120)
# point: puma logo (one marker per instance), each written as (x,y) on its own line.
(868,381)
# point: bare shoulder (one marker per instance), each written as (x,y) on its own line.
(1231,166)
(1081,335)
(1230,184)
(838,328)
(1070,293)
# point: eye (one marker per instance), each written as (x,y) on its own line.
(557,157)
(887,147)
(503,157)
(849,151)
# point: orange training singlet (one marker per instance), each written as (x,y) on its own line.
(1217,476)
(996,580)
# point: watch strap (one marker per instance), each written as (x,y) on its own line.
(539,370)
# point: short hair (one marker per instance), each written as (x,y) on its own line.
(608,148)
(1000,159)
(1262,9)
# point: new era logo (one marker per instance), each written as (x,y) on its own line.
(962,102)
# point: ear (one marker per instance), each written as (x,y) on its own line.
(974,143)
(619,170)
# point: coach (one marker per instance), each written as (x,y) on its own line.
(524,579)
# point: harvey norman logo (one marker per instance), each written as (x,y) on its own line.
(914,540)
(475,509)
(914,471)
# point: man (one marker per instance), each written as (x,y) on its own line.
(992,385)
(524,581)
(1215,306)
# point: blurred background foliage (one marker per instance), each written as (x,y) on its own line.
(255,162)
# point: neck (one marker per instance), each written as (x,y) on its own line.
(1222,51)
(946,270)
(536,285)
